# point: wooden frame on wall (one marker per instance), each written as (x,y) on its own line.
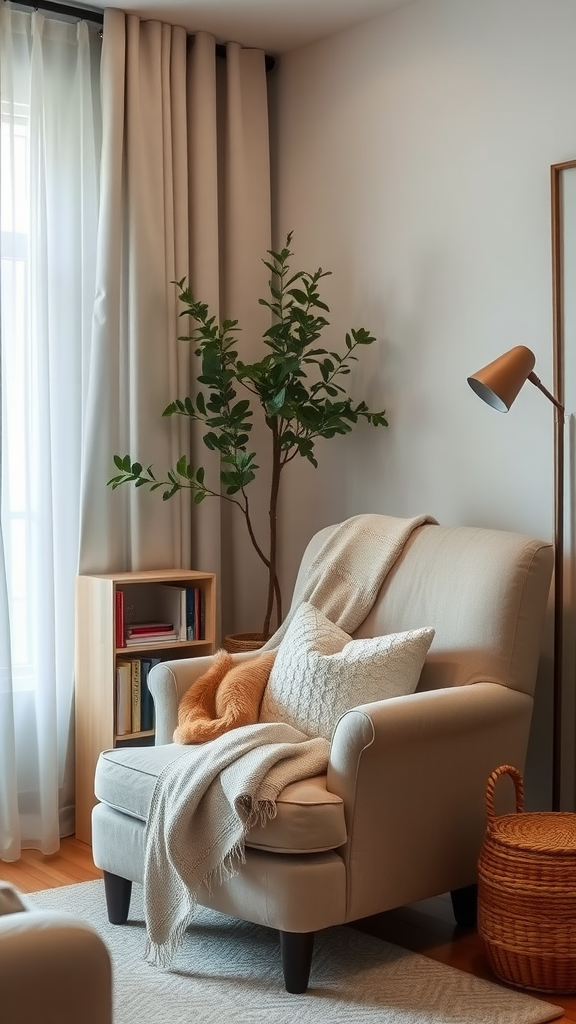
(564,710)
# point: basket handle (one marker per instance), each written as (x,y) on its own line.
(504,769)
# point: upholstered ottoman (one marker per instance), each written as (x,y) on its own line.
(54,969)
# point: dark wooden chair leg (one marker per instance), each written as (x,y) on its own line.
(118,892)
(465,905)
(296,949)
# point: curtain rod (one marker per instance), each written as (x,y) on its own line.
(82,13)
(89,14)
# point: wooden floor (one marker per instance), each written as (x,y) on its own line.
(426,927)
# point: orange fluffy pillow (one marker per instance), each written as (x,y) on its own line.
(227,696)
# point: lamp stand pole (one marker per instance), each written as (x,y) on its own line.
(557,677)
(558,605)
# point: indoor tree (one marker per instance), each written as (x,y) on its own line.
(298,387)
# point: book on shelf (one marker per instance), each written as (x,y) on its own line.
(148,639)
(201,625)
(197,614)
(147,701)
(183,613)
(149,628)
(135,694)
(190,605)
(194,613)
(123,697)
(119,618)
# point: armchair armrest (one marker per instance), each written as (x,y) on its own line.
(412,772)
(169,681)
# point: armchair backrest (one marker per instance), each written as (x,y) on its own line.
(484,591)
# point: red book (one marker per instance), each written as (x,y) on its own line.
(149,628)
(119,618)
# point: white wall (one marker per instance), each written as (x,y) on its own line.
(412,159)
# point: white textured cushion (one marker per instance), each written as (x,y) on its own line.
(320,671)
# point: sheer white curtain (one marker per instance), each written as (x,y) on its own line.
(50,131)
(185,193)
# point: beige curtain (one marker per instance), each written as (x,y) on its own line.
(185,192)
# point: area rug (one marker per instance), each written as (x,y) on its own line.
(229,971)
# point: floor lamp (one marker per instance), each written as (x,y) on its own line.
(498,385)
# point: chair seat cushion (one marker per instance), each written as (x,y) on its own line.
(309,819)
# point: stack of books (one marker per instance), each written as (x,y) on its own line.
(158,614)
(146,632)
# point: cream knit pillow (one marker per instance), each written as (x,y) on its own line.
(320,671)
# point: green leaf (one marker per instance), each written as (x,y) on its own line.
(276,402)
(299,295)
(239,411)
(211,363)
(211,441)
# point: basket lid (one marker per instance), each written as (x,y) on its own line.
(551,832)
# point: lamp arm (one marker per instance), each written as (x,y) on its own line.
(538,383)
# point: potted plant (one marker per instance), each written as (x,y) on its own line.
(297,386)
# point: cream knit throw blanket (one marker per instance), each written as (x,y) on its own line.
(345,575)
(203,805)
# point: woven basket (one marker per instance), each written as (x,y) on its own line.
(527,893)
(236,643)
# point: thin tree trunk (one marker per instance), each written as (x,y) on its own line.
(273,586)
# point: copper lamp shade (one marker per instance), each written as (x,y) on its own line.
(499,382)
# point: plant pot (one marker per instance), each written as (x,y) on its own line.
(235,643)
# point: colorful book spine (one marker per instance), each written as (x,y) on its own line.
(135,691)
(146,696)
(147,701)
(119,618)
(149,628)
(190,599)
(147,640)
(197,629)
(123,698)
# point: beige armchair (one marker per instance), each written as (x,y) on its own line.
(54,969)
(399,816)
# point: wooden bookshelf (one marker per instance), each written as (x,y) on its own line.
(95,664)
